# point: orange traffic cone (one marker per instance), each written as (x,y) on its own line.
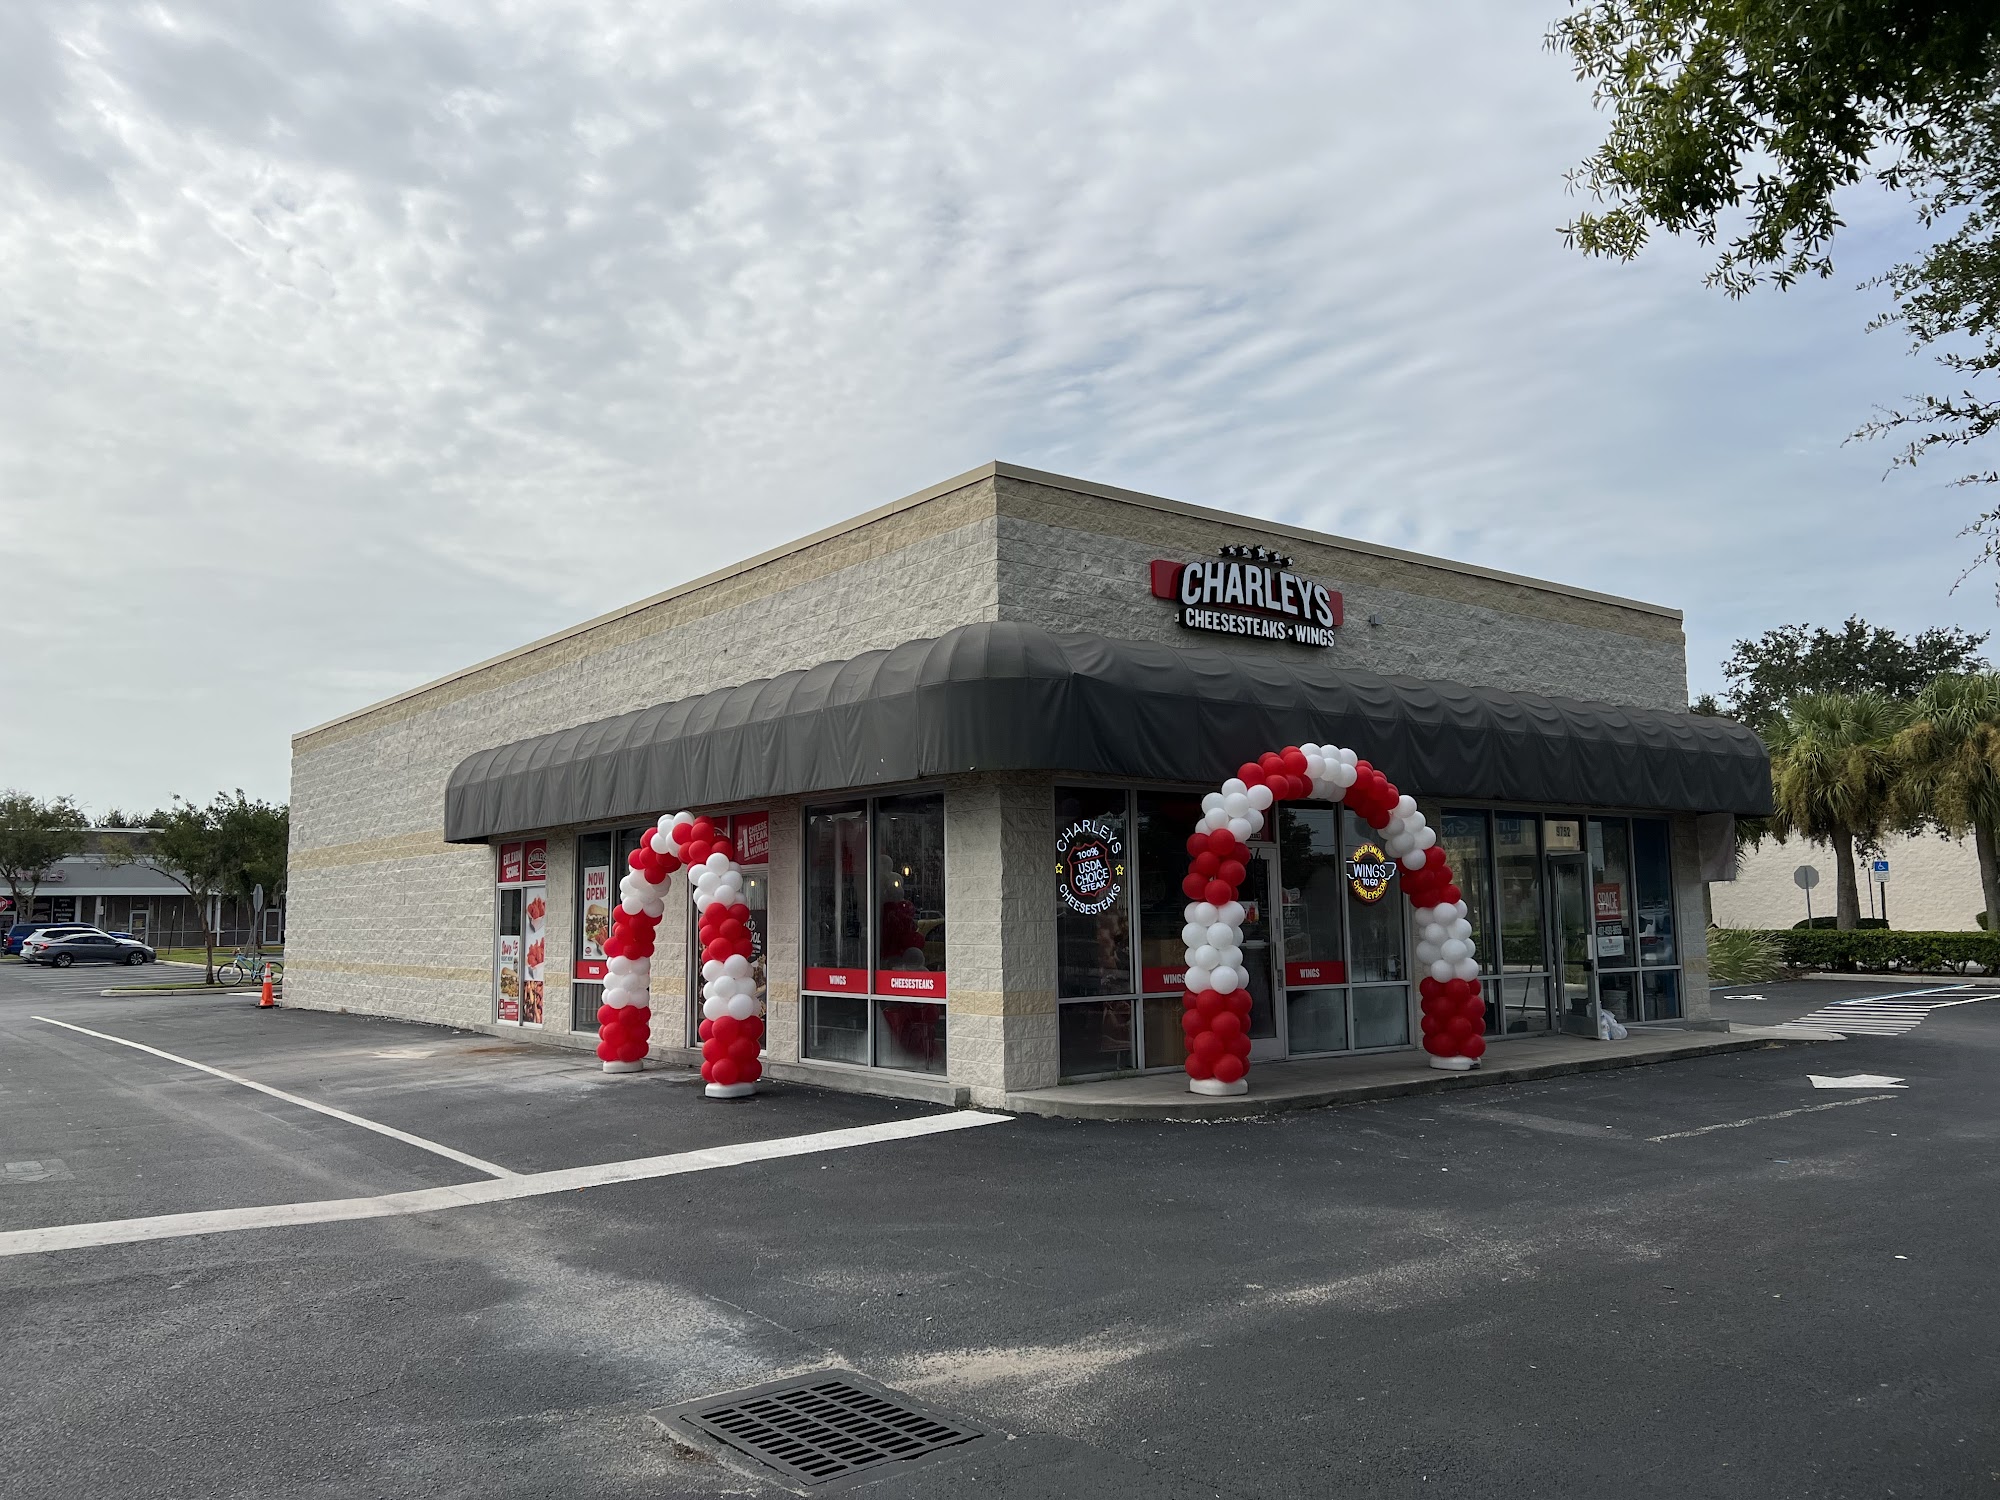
(266,1001)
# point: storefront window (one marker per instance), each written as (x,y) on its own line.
(875,945)
(1095,1036)
(1462,835)
(1381,1016)
(1378,947)
(1662,995)
(1093,896)
(1165,821)
(1517,854)
(1314,897)
(521,932)
(594,899)
(1653,892)
(1611,894)
(836,899)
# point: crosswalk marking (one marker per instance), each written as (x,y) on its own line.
(1888,1015)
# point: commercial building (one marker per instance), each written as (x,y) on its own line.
(1930,884)
(112,885)
(960,742)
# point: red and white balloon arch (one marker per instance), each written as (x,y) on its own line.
(1216,1005)
(732,1025)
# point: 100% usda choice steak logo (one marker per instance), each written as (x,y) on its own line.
(1090,866)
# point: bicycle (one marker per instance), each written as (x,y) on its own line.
(242,966)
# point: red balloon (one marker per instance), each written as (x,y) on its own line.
(1197,842)
(1208,1005)
(1429,987)
(606,1052)
(714,1049)
(1192,1025)
(1230,1068)
(1474,1048)
(1208,1045)
(1294,759)
(743,1050)
(1205,864)
(704,1031)
(724,1029)
(1271,763)
(706,1075)
(1240,1045)
(724,1072)
(704,828)
(750,1072)
(1233,873)
(1198,1066)
(1250,773)
(1222,843)
(1238,1001)
(1218,893)
(1226,1024)
(605,1013)
(696,851)
(1451,895)
(1193,887)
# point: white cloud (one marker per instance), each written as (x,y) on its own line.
(346,343)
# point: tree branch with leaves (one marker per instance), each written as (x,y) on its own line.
(36,836)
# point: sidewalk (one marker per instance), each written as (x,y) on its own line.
(1312,1083)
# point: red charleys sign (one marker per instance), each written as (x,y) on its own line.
(535,861)
(510,864)
(1249,591)
(751,834)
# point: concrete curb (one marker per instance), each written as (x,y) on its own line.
(1251,1106)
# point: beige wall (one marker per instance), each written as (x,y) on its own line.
(1933,885)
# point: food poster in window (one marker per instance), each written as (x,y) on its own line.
(750,834)
(534,951)
(510,977)
(596,898)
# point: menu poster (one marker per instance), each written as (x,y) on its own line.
(535,910)
(596,921)
(510,977)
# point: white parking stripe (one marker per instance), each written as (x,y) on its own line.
(325,1109)
(471,1194)
(1783,1114)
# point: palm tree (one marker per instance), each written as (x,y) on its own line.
(1951,753)
(1834,772)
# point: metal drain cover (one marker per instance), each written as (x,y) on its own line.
(812,1432)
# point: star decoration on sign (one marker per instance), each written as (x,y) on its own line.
(1259,554)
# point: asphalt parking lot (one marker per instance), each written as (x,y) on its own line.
(1703,1278)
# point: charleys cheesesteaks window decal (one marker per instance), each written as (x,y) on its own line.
(1090,866)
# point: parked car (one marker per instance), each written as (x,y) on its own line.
(87,947)
(20,932)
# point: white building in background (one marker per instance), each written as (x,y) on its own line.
(1933,886)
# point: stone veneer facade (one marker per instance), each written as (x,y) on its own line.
(385,917)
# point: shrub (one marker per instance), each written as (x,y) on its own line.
(1741,955)
(1835,922)
(1878,950)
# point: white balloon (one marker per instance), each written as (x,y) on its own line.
(1221,934)
(1427,837)
(1465,968)
(1350,760)
(1460,928)
(721,987)
(1344,775)
(1231,912)
(1240,829)
(717,862)
(1429,931)
(1198,981)
(1226,979)
(1205,912)
(1454,949)
(1427,953)
(743,1007)
(1212,802)
(1440,971)
(1236,804)
(1414,860)
(622,964)
(1232,957)
(1233,787)
(710,1009)
(632,906)
(1207,956)
(653,906)
(1256,820)
(1260,797)
(1459,907)
(1193,935)
(736,966)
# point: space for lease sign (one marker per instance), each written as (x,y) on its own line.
(1249,591)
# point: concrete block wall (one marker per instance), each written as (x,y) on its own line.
(1078,562)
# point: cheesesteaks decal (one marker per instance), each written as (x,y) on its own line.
(1250,591)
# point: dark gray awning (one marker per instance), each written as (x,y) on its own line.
(1010,697)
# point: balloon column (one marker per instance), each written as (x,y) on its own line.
(1216,1008)
(732,1027)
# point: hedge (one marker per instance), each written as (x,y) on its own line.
(1875,950)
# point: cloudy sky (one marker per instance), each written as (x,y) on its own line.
(342,344)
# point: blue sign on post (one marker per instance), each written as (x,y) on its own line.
(1880,871)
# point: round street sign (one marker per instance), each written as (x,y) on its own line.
(1805,877)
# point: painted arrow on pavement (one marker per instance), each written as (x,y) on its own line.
(1857,1081)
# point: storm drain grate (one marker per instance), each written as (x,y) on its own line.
(816,1429)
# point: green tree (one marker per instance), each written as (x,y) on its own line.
(1738,121)
(193,846)
(1780,665)
(35,836)
(1951,774)
(257,839)
(1834,773)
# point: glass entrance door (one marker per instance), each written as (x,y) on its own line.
(1260,952)
(1576,969)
